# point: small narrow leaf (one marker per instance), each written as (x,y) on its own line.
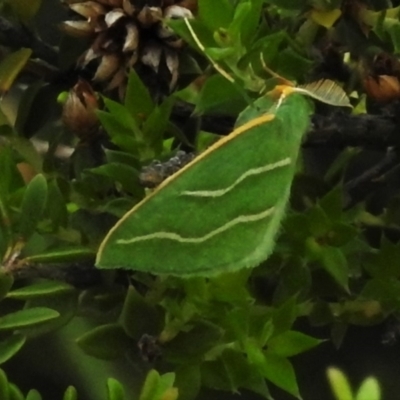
(339,384)
(290,343)
(150,385)
(335,263)
(115,390)
(41,289)
(106,342)
(11,66)
(70,394)
(33,395)
(280,371)
(326,91)
(137,99)
(10,346)
(14,392)
(61,255)
(33,205)
(6,282)
(369,390)
(4,395)
(27,318)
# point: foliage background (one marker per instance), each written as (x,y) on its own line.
(335,271)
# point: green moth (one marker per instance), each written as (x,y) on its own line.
(223,210)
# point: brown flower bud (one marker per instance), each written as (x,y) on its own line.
(79,110)
(383,88)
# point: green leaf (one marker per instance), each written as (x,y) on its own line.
(339,384)
(246,21)
(120,134)
(25,148)
(203,33)
(10,346)
(384,290)
(219,95)
(123,116)
(47,288)
(369,390)
(139,316)
(6,282)
(150,385)
(57,208)
(394,31)
(10,178)
(231,287)
(33,395)
(11,66)
(292,65)
(4,395)
(188,380)
(191,346)
(106,342)
(237,321)
(33,205)
(27,318)
(216,14)
(137,98)
(231,372)
(158,387)
(156,124)
(317,221)
(65,304)
(284,316)
(332,203)
(70,394)
(14,392)
(114,156)
(290,343)
(280,372)
(61,255)
(295,280)
(335,263)
(384,264)
(115,390)
(124,174)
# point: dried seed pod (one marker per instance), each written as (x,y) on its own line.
(113,17)
(88,9)
(79,110)
(131,42)
(111,3)
(149,16)
(77,28)
(382,88)
(151,55)
(109,64)
(165,33)
(116,26)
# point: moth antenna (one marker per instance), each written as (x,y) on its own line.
(202,48)
(327,91)
(273,73)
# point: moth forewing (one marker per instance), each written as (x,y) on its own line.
(222,211)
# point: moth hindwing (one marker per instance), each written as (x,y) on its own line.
(222,211)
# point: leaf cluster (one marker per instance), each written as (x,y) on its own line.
(335,264)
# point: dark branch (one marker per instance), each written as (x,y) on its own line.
(337,130)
